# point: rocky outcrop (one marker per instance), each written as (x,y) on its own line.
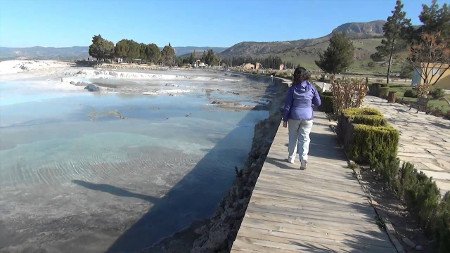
(92,87)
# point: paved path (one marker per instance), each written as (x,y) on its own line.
(321,209)
(424,139)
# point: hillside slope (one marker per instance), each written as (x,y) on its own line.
(364,35)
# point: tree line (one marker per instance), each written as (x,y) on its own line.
(130,50)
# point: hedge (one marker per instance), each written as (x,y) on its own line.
(366,135)
(327,104)
(422,199)
(379,90)
(369,143)
(361,111)
(383,92)
(366,116)
(375,143)
(374,89)
(442,224)
(371,120)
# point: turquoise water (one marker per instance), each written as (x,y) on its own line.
(67,142)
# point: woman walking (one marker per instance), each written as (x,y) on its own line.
(298,115)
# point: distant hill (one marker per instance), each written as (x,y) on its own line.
(362,30)
(73,53)
(44,53)
(179,51)
(365,37)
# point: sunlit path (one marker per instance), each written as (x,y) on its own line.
(321,209)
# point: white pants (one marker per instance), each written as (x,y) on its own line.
(299,138)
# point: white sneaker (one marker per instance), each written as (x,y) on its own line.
(303,164)
(291,160)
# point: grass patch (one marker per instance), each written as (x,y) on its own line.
(433,104)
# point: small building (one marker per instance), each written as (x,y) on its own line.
(199,64)
(258,66)
(434,70)
(282,67)
(248,66)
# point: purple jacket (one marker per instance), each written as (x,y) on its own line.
(299,101)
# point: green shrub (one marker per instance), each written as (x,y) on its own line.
(374,89)
(388,169)
(383,92)
(437,93)
(442,225)
(327,104)
(361,111)
(369,116)
(371,120)
(410,93)
(365,144)
(420,193)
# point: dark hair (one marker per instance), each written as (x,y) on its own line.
(300,75)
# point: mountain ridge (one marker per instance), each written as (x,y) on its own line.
(354,30)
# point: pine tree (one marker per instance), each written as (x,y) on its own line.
(192,58)
(152,53)
(435,19)
(396,30)
(168,55)
(338,56)
(101,48)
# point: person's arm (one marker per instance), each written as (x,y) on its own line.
(287,106)
(316,98)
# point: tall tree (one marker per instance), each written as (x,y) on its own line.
(338,56)
(192,58)
(100,48)
(210,58)
(168,55)
(142,54)
(430,53)
(122,48)
(152,53)
(128,49)
(397,31)
(435,19)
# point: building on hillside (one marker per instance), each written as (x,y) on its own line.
(434,70)
(248,66)
(282,67)
(199,64)
(258,66)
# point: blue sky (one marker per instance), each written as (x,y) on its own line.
(60,23)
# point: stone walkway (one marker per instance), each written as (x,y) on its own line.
(424,139)
(321,209)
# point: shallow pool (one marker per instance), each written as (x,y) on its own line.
(84,172)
